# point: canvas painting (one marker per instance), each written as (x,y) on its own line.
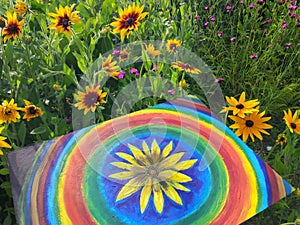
(174,163)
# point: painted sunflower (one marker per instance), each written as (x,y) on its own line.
(21,7)
(31,111)
(9,112)
(241,107)
(292,121)
(13,27)
(129,20)
(252,125)
(110,68)
(181,66)
(63,18)
(172,45)
(154,172)
(90,99)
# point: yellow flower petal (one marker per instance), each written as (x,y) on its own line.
(122,175)
(123,165)
(170,161)
(158,197)
(167,149)
(138,155)
(146,149)
(127,157)
(180,187)
(145,194)
(184,165)
(171,193)
(130,188)
(155,151)
(173,176)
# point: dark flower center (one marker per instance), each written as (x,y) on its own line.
(13,29)
(152,171)
(249,123)
(7,112)
(293,126)
(239,106)
(129,22)
(173,46)
(186,66)
(282,139)
(91,99)
(32,110)
(64,21)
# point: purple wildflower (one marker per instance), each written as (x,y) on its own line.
(228,8)
(251,6)
(254,56)
(68,120)
(155,68)
(220,33)
(212,18)
(269,20)
(134,71)
(197,17)
(206,24)
(171,92)
(121,75)
(292,7)
(116,53)
(219,80)
(288,44)
(283,26)
(260,2)
(233,39)
(207,7)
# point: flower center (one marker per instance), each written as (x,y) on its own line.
(173,46)
(152,171)
(129,22)
(282,139)
(293,126)
(13,29)
(91,99)
(239,106)
(7,112)
(64,21)
(186,66)
(249,123)
(32,110)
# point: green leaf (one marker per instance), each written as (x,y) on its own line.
(108,7)
(1,66)
(22,133)
(9,51)
(38,130)
(38,6)
(4,171)
(80,61)
(5,185)
(8,220)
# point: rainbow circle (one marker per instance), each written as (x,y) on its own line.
(69,181)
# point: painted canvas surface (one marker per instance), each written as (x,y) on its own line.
(174,163)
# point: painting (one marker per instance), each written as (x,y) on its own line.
(174,163)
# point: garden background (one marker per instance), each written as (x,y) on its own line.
(249,46)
